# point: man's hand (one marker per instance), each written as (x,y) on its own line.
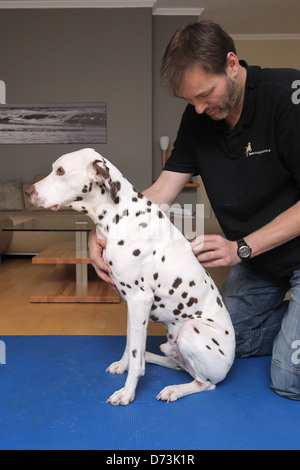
(96,247)
(214,251)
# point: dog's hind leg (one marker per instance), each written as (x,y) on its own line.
(161,360)
(173,392)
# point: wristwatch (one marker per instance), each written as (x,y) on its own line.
(244,251)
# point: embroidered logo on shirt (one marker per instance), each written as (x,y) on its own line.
(249,152)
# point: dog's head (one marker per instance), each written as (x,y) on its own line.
(71,181)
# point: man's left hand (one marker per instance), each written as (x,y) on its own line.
(214,251)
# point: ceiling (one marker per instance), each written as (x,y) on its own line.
(246,16)
(240,17)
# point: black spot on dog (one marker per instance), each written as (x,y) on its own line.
(184,295)
(177,283)
(196,331)
(143,225)
(208,347)
(133,353)
(154,307)
(160,214)
(79,198)
(157,299)
(134,199)
(116,219)
(215,341)
(176,312)
(226,332)
(220,351)
(154,318)
(121,242)
(123,292)
(171,291)
(163,259)
(209,319)
(192,301)
(125,213)
(184,315)
(84,189)
(180,306)
(192,283)
(136,252)
(212,287)
(101,216)
(219,302)
(154,252)
(155,276)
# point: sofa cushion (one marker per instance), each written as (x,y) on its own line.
(11,195)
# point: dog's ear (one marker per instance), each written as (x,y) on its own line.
(98,172)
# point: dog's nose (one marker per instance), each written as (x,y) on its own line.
(30,191)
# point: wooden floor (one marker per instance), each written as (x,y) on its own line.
(18,281)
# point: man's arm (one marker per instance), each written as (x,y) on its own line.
(214,250)
(163,191)
(167,187)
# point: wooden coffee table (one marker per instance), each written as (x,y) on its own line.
(71,277)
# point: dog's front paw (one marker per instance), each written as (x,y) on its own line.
(170,393)
(118,367)
(121,397)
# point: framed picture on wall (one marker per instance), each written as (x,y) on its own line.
(62,123)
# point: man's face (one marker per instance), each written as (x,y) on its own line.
(213,94)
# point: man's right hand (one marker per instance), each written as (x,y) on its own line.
(96,247)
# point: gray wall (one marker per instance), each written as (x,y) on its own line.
(90,55)
(78,56)
(167,110)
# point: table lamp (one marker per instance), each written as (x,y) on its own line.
(164,144)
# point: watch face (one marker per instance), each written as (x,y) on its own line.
(244,251)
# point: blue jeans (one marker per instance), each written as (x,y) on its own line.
(266,324)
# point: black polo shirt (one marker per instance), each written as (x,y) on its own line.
(251,173)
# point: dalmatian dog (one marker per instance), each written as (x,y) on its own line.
(155,272)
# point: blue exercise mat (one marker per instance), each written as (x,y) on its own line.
(53,391)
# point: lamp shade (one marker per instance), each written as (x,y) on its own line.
(164,142)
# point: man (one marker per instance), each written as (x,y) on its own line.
(240,132)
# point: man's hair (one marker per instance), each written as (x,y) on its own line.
(204,43)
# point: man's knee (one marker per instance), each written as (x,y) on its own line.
(285,380)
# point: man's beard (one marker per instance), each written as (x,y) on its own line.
(233,96)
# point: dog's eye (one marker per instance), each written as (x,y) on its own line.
(60,171)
